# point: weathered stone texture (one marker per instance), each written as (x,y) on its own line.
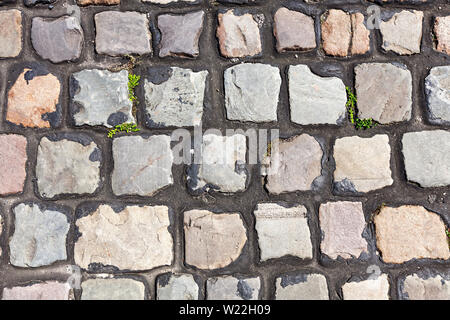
(301,287)
(97,2)
(360,36)
(112,289)
(441,27)
(437,88)
(294,31)
(415,287)
(50,290)
(231,288)
(177,287)
(13,159)
(10,33)
(371,289)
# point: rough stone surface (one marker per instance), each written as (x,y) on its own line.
(431,288)
(101,98)
(11,33)
(441,27)
(168,1)
(142,166)
(360,35)
(33,98)
(121,33)
(180,34)
(238,35)
(301,287)
(384,101)
(31,3)
(39,237)
(437,88)
(112,289)
(13,159)
(58,39)
(362,164)
(97,2)
(177,101)
(1,230)
(177,287)
(410,232)
(251,92)
(222,166)
(427,157)
(342,224)
(403,32)
(287,24)
(109,238)
(231,288)
(213,240)
(314,99)
(67,167)
(282,231)
(371,289)
(50,290)
(294,166)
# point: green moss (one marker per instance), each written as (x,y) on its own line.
(123,127)
(352,113)
(133,82)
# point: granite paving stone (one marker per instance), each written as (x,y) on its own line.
(231,288)
(11,33)
(13,160)
(177,287)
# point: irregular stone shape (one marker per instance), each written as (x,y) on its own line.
(441,27)
(121,33)
(177,287)
(167,1)
(101,98)
(286,26)
(31,3)
(314,99)
(231,288)
(50,290)
(177,101)
(180,34)
(342,224)
(371,289)
(13,159)
(67,167)
(427,157)
(39,237)
(109,238)
(213,240)
(384,92)
(403,32)
(97,2)
(410,232)
(251,92)
(58,39)
(222,167)
(336,33)
(11,33)
(142,166)
(360,35)
(362,164)
(282,231)
(301,287)
(112,289)
(295,165)
(33,100)
(437,88)
(238,35)
(432,288)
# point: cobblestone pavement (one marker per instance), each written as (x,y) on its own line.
(348,214)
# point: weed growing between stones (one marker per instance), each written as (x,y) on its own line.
(352,114)
(124,127)
(133,82)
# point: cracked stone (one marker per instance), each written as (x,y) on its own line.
(301,287)
(142,166)
(287,24)
(314,99)
(251,92)
(432,288)
(362,164)
(13,159)
(410,232)
(294,166)
(33,100)
(180,34)
(97,2)
(384,92)
(403,32)
(282,231)
(101,98)
(437,88)
(238,35)
(371,289)
(342,224)
(360,36)
(112,289)
(39,237)
(65,167)
(177,101)
(11,33)
(50,290)
(109,238)
(427,157)
(213,240)
(441,27)
(231,288)
(58,39)
(177,287)
(122,33)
